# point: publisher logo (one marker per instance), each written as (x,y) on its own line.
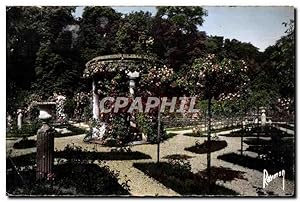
(267,178)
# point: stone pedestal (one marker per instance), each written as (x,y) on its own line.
(45,144)
(95,102)
(263,118)
(132,77)
(99,129)
(9,123)
(44,152)
(19,121)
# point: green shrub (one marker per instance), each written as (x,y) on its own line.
(28,129)
(111,143)
(215,145)
(196,134)
(69,107)
(178,156)
(24,143)
(74,130)
(87,112)
(149,126)
(169,135)
(118,129)
(78,176)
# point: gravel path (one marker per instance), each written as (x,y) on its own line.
(142,185)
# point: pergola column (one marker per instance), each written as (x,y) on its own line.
(263,117)
(132,77)
(95,102)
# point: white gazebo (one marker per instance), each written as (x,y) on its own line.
(100,67)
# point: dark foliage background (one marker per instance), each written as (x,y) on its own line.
(47,48)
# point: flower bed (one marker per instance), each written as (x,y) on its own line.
(74,131)
(216,145)
(224,174)
(181,179)
(178,157)
(259,164)
(258,131)
(68,180)
(24,143)
(197,134)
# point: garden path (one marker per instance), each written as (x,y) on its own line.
(142,185)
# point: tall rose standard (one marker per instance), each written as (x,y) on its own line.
(211,78)
(155,82)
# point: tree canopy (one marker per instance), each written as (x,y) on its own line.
(47,48)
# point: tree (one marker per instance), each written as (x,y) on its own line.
(27,29)
(58,63)
(98,29)
(156,82)
(56,72)
(235,50)
(185,18)
(279,63)
(177,41)
(134,33)
(22,44)
(210,78)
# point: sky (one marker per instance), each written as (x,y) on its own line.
(261,26)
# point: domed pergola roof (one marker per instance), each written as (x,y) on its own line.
(112,63)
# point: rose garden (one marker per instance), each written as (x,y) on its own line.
(118,108)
